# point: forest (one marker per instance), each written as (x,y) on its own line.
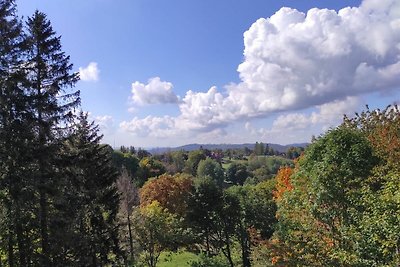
(67,199)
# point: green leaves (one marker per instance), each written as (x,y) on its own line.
(344,207)
(211,169)
(156,229)
(336,165)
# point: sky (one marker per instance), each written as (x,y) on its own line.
(160,73)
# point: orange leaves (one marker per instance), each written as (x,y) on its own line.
(386,141)
(274,260)
(283,183)
(382,129)
(169,191)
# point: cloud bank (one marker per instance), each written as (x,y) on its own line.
(292,61)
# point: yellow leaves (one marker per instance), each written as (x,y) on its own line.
(151,209)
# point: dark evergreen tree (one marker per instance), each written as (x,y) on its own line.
(93,177)
(58,201)
(15,133)
(50,75)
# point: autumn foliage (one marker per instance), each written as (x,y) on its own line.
(339,205)
(283,183)
(170,191)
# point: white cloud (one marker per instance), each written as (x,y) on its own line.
(132,109)
(291,121)
(327,115)
(150,126)
(200,111)
(293,61)
(295,127)
(89,73)
(105,122)
(331,114)
(154,92)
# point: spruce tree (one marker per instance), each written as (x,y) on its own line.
(50,76)
(95,194)
(15,133)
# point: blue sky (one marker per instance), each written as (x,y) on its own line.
(168,73)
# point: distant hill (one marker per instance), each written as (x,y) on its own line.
(190,147)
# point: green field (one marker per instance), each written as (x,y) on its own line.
(176,259)
(226,162)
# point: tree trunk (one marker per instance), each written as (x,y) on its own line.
(246,257)
(43,228)
(20,241)
(228,249)
(207,244)
(130,237)
(94,259)
(43,200)
(10,250)
(244,242)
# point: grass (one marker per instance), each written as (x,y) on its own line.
(176,259)
(226,162)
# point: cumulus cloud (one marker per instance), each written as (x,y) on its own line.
(89,73)
(199,111)
(150,126)
(293,61)
(154,92)
(327,115)
(292,121)
(300,126)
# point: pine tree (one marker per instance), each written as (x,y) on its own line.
(96,193)
(50,75)
(15,133)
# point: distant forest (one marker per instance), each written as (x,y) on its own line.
(66,199)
